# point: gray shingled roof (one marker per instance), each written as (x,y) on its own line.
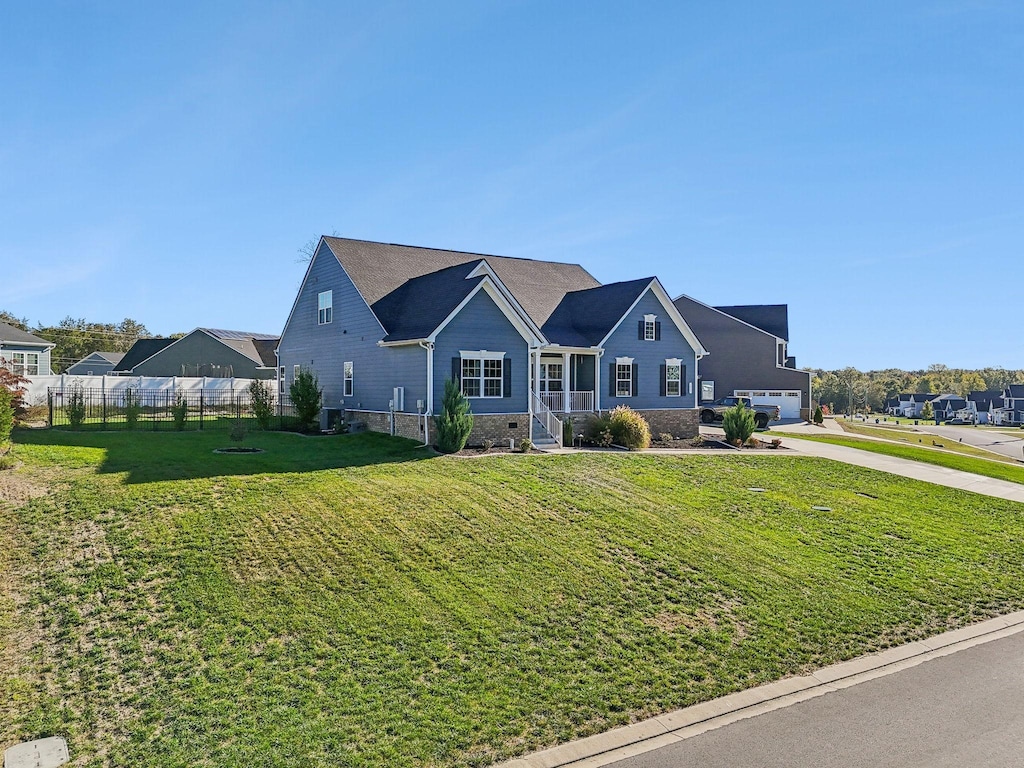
(18,336)
(584,318)
(142,349)
(224,335)
(110,357)
(378,269)
(418,306)
(770,318)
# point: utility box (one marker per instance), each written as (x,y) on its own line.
(398,400)
(41,753)
(330,417)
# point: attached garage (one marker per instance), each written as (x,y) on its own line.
(787,400)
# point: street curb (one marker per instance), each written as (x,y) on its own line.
(660,731)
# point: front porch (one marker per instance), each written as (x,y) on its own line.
(566,382)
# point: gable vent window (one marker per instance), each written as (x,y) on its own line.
(325,307)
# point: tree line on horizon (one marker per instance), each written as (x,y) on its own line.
(76,338)
(871,389)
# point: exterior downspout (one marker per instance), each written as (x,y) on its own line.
(429,347)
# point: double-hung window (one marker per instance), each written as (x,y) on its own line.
(325,307)
(482,374)
(623,377)
(25,363)
(348,379)
(281,380)
(650,328)
(673,378)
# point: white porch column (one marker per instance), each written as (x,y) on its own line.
(536,372)
(566,380)
(597,380)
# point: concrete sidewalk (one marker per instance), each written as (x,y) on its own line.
(658,732)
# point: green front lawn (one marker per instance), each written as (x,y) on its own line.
(999,467)
(353,601)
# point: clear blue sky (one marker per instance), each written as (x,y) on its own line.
(862,162)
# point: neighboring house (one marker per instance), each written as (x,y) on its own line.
(383,326)
(210,352)
(1012,409)
(96,364)
(910,404)
(980,405)
(946,407)
(23,353)
(747,355)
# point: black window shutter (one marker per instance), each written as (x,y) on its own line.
(611,379)
(640,330)
(657,330)
(457,371)
(636,369)
(684,388)
(663,386)
(506,376)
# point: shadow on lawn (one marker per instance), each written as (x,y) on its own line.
(148,457)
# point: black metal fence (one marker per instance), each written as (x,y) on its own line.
(140,409)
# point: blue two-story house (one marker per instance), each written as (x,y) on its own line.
(530,342)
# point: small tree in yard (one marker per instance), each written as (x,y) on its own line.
(15,384)
(928,412)
(738,423)
(75,406)
(455,422)
(307,397)
(819,418)
(262,403)
(132,407)
(179,411)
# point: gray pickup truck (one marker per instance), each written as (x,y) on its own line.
(712,412)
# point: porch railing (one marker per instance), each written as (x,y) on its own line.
(547,419)
(578,401)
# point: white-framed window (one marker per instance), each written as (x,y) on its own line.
(673,377)
(348,379)
(295,372)
(25,363)
(280,380)
(707,390)
(325,307)
(483,374)
(550,377)
(650,327)
(624,377)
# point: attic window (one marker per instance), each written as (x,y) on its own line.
(650,327)
(325,307)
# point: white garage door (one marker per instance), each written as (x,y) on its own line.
(787,400)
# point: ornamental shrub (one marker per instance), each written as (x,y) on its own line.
(629,429)
(738,423)
(927,412)
(132,408)
(75,406)
(818,416)
(179,411)
(261,401)
(307,397)
(598,431)
(456,421)
(6,415)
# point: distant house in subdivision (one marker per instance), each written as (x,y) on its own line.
(981,405)
(24,353)
(1011,412)
(948,406)
(210,352)
(96,364)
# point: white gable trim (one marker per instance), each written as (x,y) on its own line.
(673,314)
(483,268)
(305,278)
(503,304)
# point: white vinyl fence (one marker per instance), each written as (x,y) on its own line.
(39,385)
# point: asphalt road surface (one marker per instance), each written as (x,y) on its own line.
(966,709)
(998,442)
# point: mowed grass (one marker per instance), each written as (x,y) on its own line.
(1001,468)
(350,601)
(927,439)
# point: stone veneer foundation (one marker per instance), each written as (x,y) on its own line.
(497,428)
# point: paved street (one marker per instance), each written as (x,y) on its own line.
(966,709)
(989,439)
